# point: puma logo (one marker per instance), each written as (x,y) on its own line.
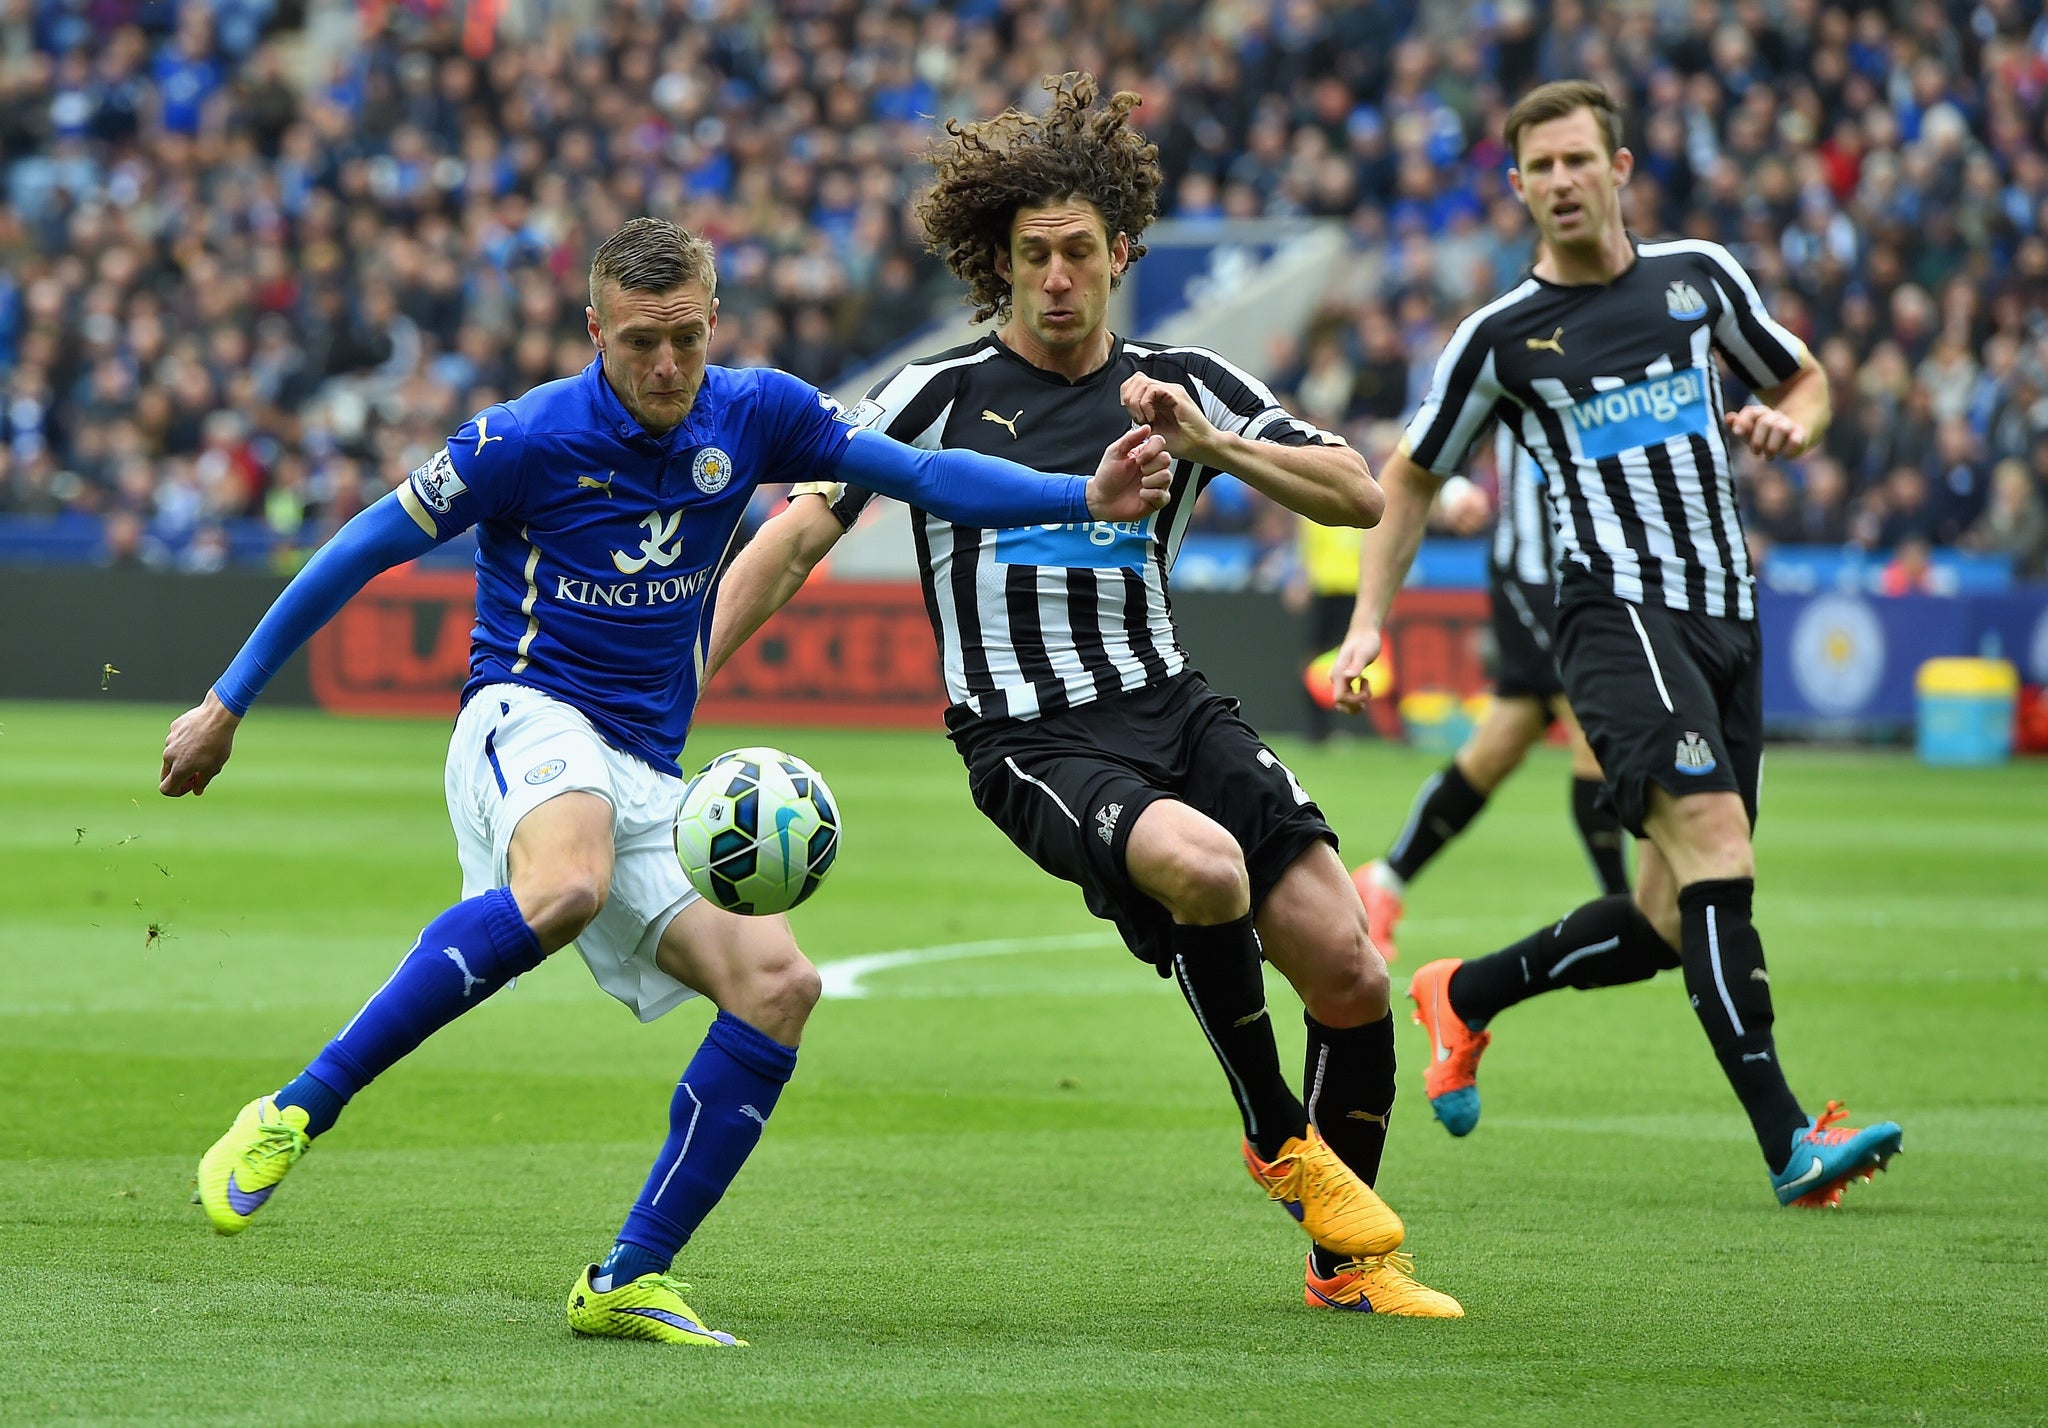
(591,483)
(454,954)
(1552,343)
(1380,1121)
(483,426)
(1008,424)
(1248,1020)
(753,1115)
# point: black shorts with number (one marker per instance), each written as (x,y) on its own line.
(1665,697)
(1524,640)
(1068,787)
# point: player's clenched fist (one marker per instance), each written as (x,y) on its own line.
(1133,478)
(1768,431)
(1347,676)
(1168,409)
(197,747)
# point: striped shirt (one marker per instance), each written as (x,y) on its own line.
(1037,619)
(1524,546)
(1613,389)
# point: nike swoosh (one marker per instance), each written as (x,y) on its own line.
(1813,1173)
(1436,1003)
(677,1321)
(783,818)
(246,1202)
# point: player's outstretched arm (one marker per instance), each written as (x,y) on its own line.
(1383,562)
(969,489)
(1331,484)
(766,575)
(201,739)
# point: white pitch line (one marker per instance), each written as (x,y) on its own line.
(843,978)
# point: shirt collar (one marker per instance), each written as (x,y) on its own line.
(690,431)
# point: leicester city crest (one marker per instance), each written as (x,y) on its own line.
(1683,301)
(712,471)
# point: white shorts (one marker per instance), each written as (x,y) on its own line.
(514,749)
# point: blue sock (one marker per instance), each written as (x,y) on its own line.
(465,954)
(721,1106)
(320,1101)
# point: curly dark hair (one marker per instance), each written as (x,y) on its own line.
(987,171)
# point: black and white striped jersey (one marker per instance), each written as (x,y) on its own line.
(1037,619)
(1524,545)
(1613,388)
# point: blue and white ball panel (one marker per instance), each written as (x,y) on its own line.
(515,748)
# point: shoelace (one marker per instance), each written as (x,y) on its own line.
(1826,1131)
(275,1141)
(673,1285)
(1399,1261)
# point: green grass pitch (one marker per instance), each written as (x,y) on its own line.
(1003,1187)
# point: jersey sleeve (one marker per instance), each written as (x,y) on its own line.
(1234,400)
(475,477)
(807,430)
(1759,348)
(901,405)
(1463,395)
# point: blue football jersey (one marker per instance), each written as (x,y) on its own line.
(598,545)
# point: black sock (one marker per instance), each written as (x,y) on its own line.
(1600,830)
(1349,1090)
(1606,943)
(1350,1094)
(1218,970)
(1443,806)
(1731,995)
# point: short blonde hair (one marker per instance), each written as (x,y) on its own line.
(652,255)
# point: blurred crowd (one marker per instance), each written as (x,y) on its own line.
(252,274)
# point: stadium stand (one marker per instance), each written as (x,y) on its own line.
(252,277)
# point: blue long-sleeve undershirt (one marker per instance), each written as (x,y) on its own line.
(964,487)
(375,540)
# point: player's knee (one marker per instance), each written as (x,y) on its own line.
(1351,987)
(560,904)
(792,988)
(1713,833)
(1207,882)
(779,993)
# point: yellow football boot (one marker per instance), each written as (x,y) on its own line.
(245,1166)
(650,1307)
(1379,1284)
(1340,1212)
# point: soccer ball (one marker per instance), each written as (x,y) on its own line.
(757,831)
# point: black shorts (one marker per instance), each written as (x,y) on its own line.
(1665,697)
(1524,640)
(1068,787)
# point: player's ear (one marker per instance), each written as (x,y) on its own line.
(1624,167)
(711,320)
(1119,255)
(1003,268)
(1515,183)
(596,332)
